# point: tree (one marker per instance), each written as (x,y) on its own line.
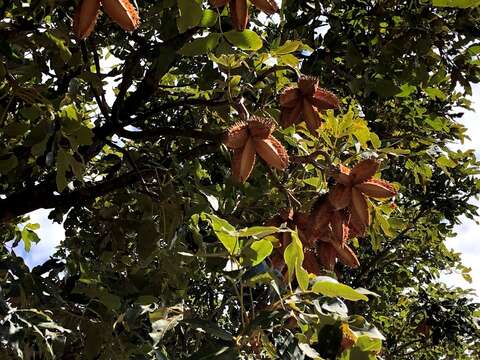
(221,204)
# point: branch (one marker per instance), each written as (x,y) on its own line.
(371,266)
(98,98)
(165,57)
(148,134)
(172,105)
(274,69)
(43,196)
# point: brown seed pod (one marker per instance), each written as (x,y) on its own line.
(340,196)
(85,18)
(291,116)
(319,220)
(326,254)
(290,97)
(236,136)
(342,176)
(260,127)
(364,170)
(346,255)
(311,116)
(247,160)
(339,225)
(307,85)
(269,7)
(356,226)
(307,99)
(239,14)
(377,188)
(310,262)
(323,99)
(273,152)
(123,13)
(235,163)
(360,207)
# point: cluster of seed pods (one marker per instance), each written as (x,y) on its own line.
(336,217)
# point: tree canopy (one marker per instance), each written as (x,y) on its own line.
(237,179)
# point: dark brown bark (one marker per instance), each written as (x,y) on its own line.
(38,196)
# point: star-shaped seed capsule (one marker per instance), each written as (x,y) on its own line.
(328,253)
(352,189)
(303,103)
(328,229)
(120,11)
(247,139)
(239,10)
(328,224)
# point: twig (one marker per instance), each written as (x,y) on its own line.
(155,133)
(103,109)
(274,69)
(288,195)
(96,60)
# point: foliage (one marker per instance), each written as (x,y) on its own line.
(165,256)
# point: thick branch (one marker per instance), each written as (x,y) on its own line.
(165,57)
(43,196)
(155,133)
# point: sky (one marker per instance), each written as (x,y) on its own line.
(467,240)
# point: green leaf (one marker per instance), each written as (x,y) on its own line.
(16,129)
(473,50)
(290,256)
(366,292)
(62,167)
(29,236)
(210,328)
(435,93)
(309,351)
(8,164)
(258,232)
(313,181)
(65,53)
(258,251)
(293,257)
(288,47)
(200,46)
(444,161)
(386,88)
(365,343)
(407,90)
(302,275)
(147,239)
(30,112)
(331,288)
(463,4)
(225,232)
(245,40)
(111,301)
(191,14)
(209,18)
